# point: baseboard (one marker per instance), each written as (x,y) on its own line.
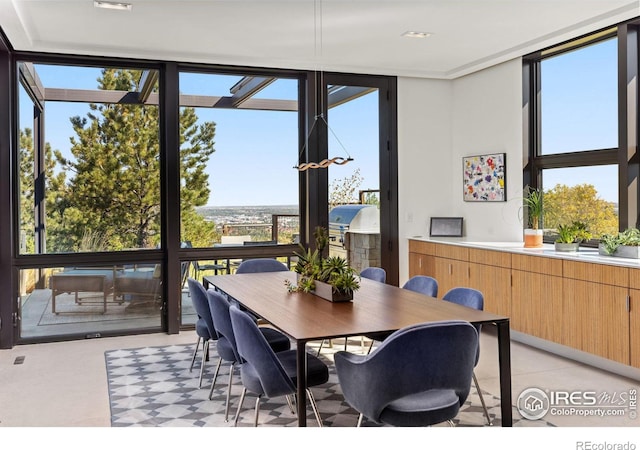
(577,355)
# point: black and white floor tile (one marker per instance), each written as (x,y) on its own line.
(153,387)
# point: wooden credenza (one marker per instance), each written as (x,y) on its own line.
(590,306)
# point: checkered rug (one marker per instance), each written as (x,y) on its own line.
(153,386)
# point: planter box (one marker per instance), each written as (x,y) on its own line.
(624,251)
(325,291)
(566,247)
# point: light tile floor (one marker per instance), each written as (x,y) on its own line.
(64,384)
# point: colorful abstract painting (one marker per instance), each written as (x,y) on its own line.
(484,178)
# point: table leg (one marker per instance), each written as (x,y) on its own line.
(301,373)
(504,360)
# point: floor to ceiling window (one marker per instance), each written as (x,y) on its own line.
(354,188)
(89,182)
(134,177)
(574,145)
(238,188)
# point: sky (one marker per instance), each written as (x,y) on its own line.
(580,112)
(255,151)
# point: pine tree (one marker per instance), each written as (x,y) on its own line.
(110,191)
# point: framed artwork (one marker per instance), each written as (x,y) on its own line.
(483,178)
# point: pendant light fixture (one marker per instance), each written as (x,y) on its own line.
(317,38)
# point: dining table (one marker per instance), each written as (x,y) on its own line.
(376,307)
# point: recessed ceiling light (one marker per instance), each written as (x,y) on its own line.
(120,6)
(416,34)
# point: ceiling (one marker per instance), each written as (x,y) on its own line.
(359,36)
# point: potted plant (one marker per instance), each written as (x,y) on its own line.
(625,244)
(330,278)
(533,203)
(570,236)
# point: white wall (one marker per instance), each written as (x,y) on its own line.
(440,122)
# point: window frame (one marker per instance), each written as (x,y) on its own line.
(625,156)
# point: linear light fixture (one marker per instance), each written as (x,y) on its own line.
(119,6)
(317,40)
(416,34)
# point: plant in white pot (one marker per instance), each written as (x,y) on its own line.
(533,204)
(570,236)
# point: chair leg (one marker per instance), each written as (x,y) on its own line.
(320,348)
(370,347)
(205,352)
(346,341)
(195,352)
(290,403)
(255,419)
(360,417)
(228,405)
(244,392)
(215,377)
(314,406)
(484,406)
(451,423)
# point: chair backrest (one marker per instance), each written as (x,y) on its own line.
(261,265)
(471,298)
(374,273)
(435,355)
(219,306)
(258,357)
(201,305)
(422,284)
(464,296)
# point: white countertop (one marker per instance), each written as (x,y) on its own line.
(585,254)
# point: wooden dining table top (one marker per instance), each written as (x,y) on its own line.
(376,307)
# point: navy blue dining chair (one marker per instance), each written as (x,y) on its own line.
(374,273)
(205,328)
(419,376)
(421,284)
(269,374)
(471,298)
(261,265)
(226,345)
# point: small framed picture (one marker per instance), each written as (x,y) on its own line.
(484,178)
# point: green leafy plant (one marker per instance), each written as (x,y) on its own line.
(574,233)
(629,237)
(333,270)
(533,203)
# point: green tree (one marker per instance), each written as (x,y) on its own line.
(113,190)
(27,188)
(564,205)
(343,191)
(27,194)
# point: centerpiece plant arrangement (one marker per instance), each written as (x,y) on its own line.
(328,277)
(570,236)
